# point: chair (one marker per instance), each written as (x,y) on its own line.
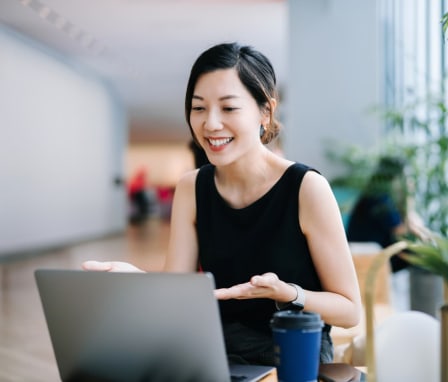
(406,345)
(350,343)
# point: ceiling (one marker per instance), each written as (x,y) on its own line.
(145,48)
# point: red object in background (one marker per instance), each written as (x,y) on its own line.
(165,198)
(165,194)
(138,182)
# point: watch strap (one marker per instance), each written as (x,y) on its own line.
(298,303)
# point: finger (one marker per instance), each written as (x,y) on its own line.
(120,266)
(93,265)
(220,294)
(271,277)
(240,292)
(229,293)
(265,280)
(226,294)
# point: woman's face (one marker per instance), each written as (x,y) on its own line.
(225,118)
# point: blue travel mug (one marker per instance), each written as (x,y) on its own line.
(297,341)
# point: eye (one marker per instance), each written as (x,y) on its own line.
(230,109)
(197,108)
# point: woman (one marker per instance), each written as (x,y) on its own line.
(268,229)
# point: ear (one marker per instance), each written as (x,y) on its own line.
(268,110)
(273,104)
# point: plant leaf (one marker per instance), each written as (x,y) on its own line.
(431,255)
(444,22)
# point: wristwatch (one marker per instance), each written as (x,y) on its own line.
(297,304)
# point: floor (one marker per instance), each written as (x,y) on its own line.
(25,348)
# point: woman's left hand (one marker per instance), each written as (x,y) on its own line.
(260,286)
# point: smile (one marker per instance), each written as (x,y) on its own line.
(219,142)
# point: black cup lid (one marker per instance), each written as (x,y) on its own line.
(291,319)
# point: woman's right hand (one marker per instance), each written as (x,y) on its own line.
(109,266)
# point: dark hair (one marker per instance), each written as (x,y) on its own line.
(199,155)
(387,170)
(389,167)
(254,70)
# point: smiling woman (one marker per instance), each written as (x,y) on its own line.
(256,85)
(267,228)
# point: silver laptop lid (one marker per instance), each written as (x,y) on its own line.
(133,326)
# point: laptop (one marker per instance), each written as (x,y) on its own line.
(114,327)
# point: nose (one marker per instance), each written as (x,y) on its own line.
(212,121)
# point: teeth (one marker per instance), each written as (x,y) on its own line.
(219,142)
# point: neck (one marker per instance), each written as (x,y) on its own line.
(252,168)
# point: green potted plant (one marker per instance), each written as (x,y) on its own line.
(430,254)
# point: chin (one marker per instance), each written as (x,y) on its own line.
(220,161)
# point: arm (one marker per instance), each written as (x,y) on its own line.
(183,246)
(415,225)
(340,302)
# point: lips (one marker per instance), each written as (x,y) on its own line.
(219,142)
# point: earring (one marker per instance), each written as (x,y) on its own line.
(262,130)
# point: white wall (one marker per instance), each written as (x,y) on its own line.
(335,77)
(62,142)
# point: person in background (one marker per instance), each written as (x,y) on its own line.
(267,228)
(138,198)
(382,214)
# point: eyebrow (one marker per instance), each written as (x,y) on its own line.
(221,98)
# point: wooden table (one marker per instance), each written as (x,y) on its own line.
(271,377)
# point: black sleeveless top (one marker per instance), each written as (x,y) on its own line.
(236,244)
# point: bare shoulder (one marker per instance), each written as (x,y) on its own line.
(187,182)
(315,185)
(317,202)
(184,199)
